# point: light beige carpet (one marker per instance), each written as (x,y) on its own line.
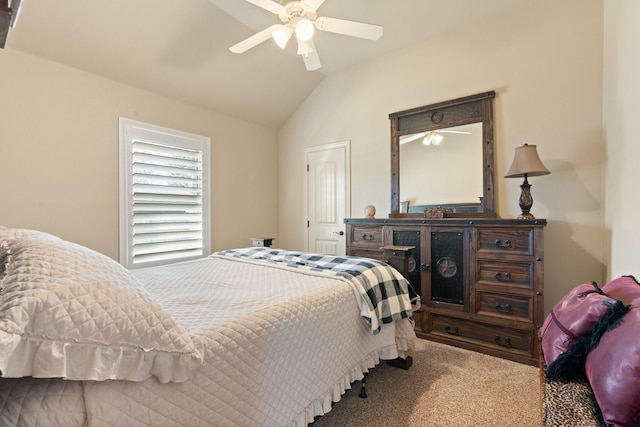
(446,386)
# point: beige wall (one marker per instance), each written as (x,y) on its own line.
(59,155)
(544,62)
(621,112)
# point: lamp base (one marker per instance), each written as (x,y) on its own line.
(526,200)
(525,215)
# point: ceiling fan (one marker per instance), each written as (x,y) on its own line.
(299,17)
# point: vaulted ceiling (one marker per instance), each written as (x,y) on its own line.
(180,48)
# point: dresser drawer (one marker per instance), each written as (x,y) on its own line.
(367,253)
(504,273)
(505,241)
(363,235)
(513,307)
(487,335)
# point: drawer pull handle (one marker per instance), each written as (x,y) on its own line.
(504,245)
(506,343)
(503,309)
(505,278)
(451,330)
(367,237)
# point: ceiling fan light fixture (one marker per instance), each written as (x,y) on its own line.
(304,47)
(300,17)
(304,29)
(282,36)
(432,138)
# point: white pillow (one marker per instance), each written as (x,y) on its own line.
(67,311)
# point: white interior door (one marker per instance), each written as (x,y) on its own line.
(327,197)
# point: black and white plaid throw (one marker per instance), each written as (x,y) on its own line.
(384,294)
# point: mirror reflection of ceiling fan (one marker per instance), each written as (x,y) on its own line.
(433,137)
(299,17)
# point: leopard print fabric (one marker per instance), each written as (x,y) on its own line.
(569,404)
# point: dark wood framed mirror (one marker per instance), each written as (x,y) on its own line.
(442,159)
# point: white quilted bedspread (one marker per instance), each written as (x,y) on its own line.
(279,346)
(68,311)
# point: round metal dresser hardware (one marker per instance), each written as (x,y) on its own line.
(447,267)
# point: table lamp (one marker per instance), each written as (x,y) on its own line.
(526,163)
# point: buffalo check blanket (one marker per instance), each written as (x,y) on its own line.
(383,294)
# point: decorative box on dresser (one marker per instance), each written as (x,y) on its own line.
(480,280)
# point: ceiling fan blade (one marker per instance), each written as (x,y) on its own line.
(314,4)
(462,132)
(349,28)
(269,5)
(255,39)
(408,138)
(309,55)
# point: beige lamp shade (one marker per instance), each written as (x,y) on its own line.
(526,162)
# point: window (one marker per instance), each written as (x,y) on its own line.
(164,191)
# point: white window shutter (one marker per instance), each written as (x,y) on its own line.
(165,181)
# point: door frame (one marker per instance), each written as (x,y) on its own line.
(346,144)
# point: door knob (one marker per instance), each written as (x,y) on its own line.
(339,233)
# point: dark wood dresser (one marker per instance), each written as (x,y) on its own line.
(480,280)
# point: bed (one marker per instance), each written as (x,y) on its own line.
(244,337)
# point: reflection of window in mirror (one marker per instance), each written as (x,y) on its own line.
(441,167)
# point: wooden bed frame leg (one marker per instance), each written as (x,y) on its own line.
(363,391)
(398,363)
(401,363)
